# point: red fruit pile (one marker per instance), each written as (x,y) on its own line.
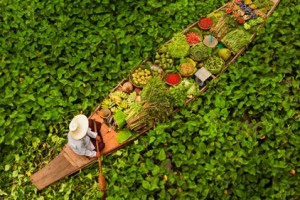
(192,38)
(205,23)
(228,10)
(173,79)
(240,20)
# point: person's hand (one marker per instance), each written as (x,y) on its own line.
(98,138)
(98,154)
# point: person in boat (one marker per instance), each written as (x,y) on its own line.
(82,139)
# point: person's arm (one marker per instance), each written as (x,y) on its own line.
(91,133)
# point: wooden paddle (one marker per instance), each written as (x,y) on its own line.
(101,178)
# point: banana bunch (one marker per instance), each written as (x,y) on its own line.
(117,101)
(123,105)
(107,103)
(118,96)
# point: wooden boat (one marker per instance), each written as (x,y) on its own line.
(68,162)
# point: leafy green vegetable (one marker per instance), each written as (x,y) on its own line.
(123,135)
(241,138)
(200,52)
(178,47)
(236,39)
(187,88)
(120,117)
(214,64)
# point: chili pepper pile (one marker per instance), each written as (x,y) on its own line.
(192,38)
(173,79)
(205,23)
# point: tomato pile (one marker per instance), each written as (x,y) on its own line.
(173,79)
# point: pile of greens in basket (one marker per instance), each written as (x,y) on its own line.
(214,64)
(200,52)
(236,39)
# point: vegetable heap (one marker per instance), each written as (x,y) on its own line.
(141,76)
(187,69)
(163,60)
(214,64)
(236,39)
(157,72)
(178,47)
(192,38)
(156,106)
(223,26)
(199,52)
(187,88)
(173,79)
(205,23)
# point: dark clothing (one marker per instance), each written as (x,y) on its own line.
(98,128)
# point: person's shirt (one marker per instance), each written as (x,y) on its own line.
(83,146)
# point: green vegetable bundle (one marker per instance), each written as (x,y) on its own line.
(236,39)
(155,106)
(200,52)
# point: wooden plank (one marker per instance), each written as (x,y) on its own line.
(58,168)
(70,159)
(73,158)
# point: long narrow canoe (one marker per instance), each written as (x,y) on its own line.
(67,162)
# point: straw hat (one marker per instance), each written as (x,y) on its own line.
(78,126)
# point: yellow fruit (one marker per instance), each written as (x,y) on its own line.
(248,2)
(224,53)
(253,6)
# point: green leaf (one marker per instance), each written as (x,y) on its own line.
(6,168)
(89,176)
(219,102)
(161,155)
(120,118)
(146,184)
(123,135)
(240,193)
(41,101)
(155,170)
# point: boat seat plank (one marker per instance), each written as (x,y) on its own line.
(66,155)
(73,158)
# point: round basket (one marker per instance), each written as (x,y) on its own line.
(207,21)
(210,41)
(104,113)
(167,75)
(158,68)
(187,75)
(143,67)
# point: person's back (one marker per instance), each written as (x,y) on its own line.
(79,136)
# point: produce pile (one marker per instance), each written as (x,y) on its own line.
(156,87)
